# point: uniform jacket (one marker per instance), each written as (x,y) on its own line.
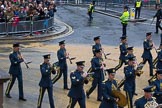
(77,83)
(108,99)
(96,64)
(147,50)
(61,57)
(159,63)
(96,47)
(15,67)
(123,51)
(140,103)
(158,90)
(129,84)
(46,75)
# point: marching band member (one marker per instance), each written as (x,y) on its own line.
(109,101)
(147,56)
(146,101)
(97,67)
(62,55)
(76,92)
(16,72)
(129,84)
(97,45)
(123,52)
(46,82)
(158,84)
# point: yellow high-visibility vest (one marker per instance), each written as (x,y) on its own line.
(138,4)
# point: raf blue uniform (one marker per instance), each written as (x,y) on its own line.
(46,84)
(16,72)
(63,65)
(123,53)
(76,92)
(129,84)
(147,56)
(96,47)
(108,99)
(159,61)
(98,77)
(141,102)
(158,90)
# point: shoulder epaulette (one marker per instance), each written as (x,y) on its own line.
(145,40)
(120,43)
(41,64)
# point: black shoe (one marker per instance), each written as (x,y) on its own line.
(8,96)
(135,94)
(23,99)
(99,99)
(66,88)
(87,95)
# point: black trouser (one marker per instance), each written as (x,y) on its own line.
(90,16)
(120,64)
(50,95)
(96,81)
(129,96)
(150,64)
(158,25)
(63,71)
(137,11)
(73,101)
(20,85)
(124,29)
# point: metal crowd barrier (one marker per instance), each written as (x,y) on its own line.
(26,26)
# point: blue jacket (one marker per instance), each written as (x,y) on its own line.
(46,75)
(129,84)
(140,103)
(96,64)
(123,51)
(157,83)
(61,57)
(147,50)
(159,63)
(15,67)
(77,83)
(108,99)
(96,47)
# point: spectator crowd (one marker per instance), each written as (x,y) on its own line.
(22,10)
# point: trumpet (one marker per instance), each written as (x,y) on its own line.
(88,77)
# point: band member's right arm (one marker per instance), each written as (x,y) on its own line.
(61,56)
(123,49)
(94,66)
(147,46)
(15,60)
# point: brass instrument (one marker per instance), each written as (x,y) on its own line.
(153,78)
(56,68)
(88,77)
(151,104)
(117,94)
(122,99)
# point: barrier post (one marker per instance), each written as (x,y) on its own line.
(132,13)
(31,25)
